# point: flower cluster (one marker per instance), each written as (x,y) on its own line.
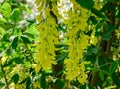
(49,36)
(77,42)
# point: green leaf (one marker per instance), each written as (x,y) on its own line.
(88,4)
(92,19)
(116,79)
(27,64)
(105,72)
(3,20)
(6,37)
(98,29)
(28,83)
(32,29)
(18,60)
(103,60)
(107,35)
(25,39)
(16,14)
(43,82)
(62,56)
(118,61)
(2,31)
(25,8)
(82,87)
(15,78)
(8,63)
(97,13)
(95,69)
(23,81)
(113,67)
(7,26)
(14,42)
(111,0)
(101,74)
(30,35)
(6,9)
(118,14)
(1,84)
(109,6)
(60,84)
(90,87)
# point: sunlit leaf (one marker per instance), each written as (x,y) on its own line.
(6,9)
(27,64)
(3,20)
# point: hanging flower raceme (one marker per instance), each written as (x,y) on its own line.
(75,66)
(77,42)
(49,36)
(75,20)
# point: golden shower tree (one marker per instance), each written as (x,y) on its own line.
(71,44)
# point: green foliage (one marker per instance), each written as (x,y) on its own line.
(101,74)
(15,78)
(14,42)
(77,50)
(14,51)
(88,4)
(97,13)
(60,84)
(116,80)
(6,10)
(43,82)
(113,67)
(16,15)
(25,39)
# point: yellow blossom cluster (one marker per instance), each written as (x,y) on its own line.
(75,66)
(77,42)
(76,70)
(49,36)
